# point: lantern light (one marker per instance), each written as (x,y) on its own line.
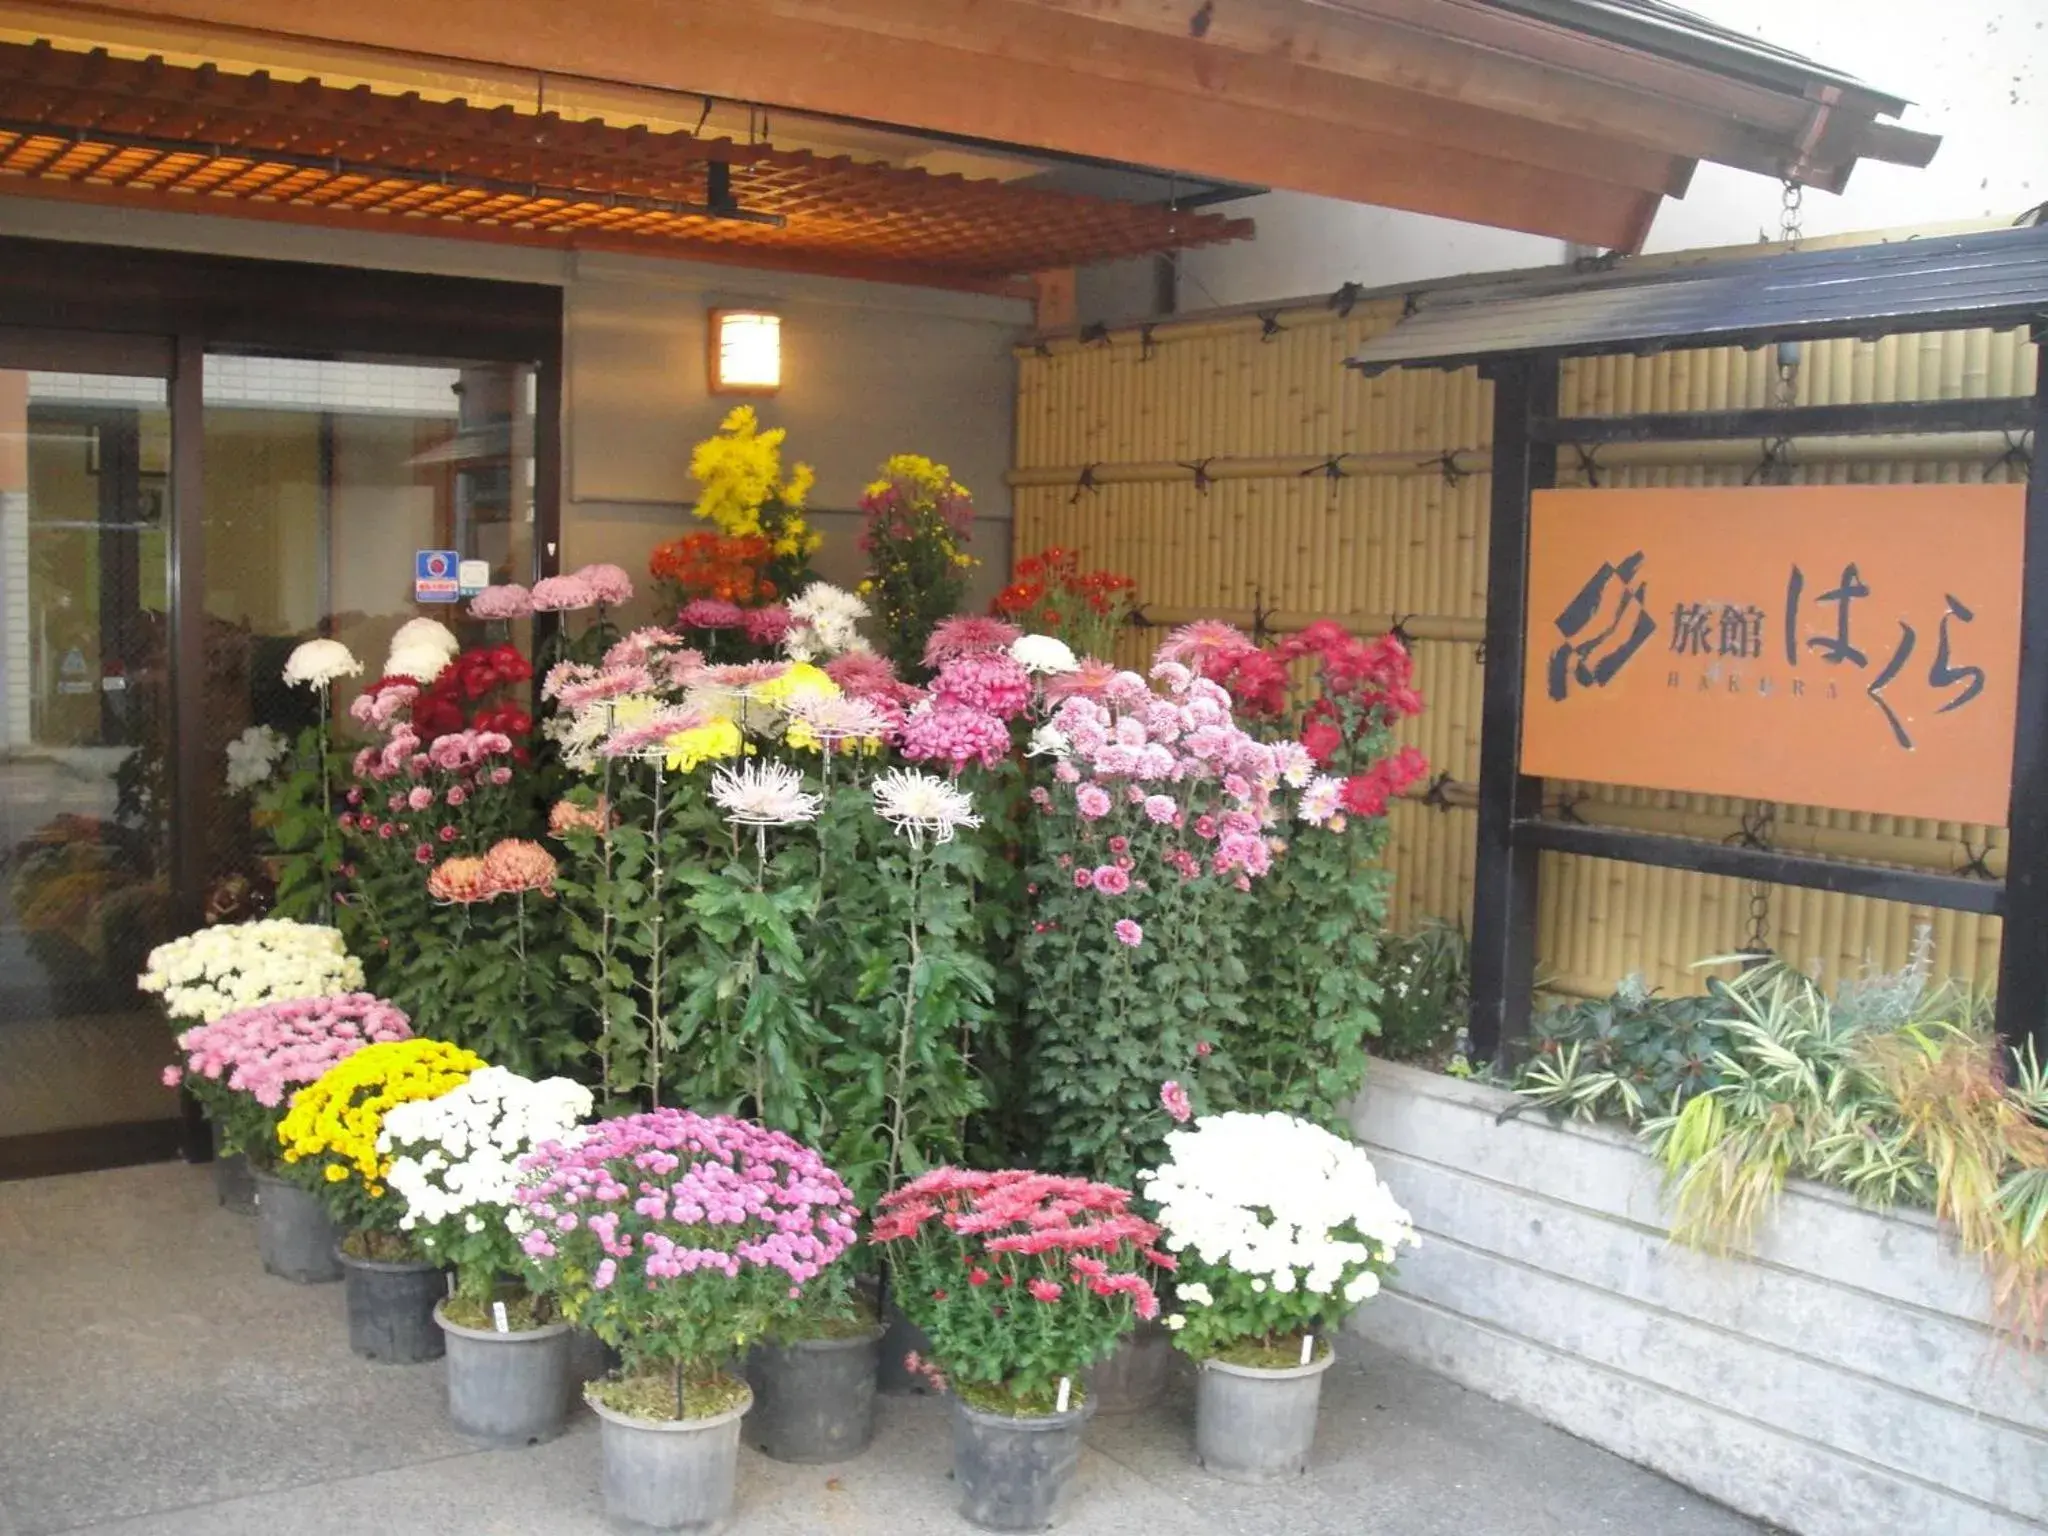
(746,352)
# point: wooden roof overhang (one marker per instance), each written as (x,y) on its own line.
(140,132)
(1569,118)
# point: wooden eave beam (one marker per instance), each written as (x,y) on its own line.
(819,57)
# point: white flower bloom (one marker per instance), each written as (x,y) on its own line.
(317,663)
(1047,741)
(1363,1287)
(1043,654)
(762,793)
(252,755)
(824,622)
(457,1157)
(1177,1321)
(917,803)
(425,634)
(421,663)
(1196,1292)
(1320,800)
(1294,764)
(221,970)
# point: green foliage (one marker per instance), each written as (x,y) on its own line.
(1425,986)
(298,807)
(1629,1057)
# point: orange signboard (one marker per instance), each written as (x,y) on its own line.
(1832,645)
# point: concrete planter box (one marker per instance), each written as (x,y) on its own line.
(1844,1380)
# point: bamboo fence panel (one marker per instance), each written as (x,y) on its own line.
(1401,534)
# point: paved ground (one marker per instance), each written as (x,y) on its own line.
(154,1382)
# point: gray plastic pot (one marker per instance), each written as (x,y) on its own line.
(1258,1426)
(669,1474)
(1014,1473)
(1134,1376)
(509,1389)
(234,1183)
(294,1233)
(391,1310)
(814,1399)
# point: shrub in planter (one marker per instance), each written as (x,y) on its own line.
(330,1147)
(1021,1280)
(678,1239)
(244,1066)
(455,1164)
(813,1374)
(1280,1228)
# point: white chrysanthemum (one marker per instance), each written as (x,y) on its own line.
(762,793)
(922,804)
(252,755)
(421,663)
(579,734)
(1292,762)
(1044,654)
(839,717)
(1320,800)
(458,1155)
(1047,741)
(824,622)
(317,663)
(425,634)
(221,970)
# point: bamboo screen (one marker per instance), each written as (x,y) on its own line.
(1114,433)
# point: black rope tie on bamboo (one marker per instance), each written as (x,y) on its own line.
(1147,347)
(1084,483)
(1042,348)
(2019,455)
(1331,469)
(1136,618)
(1260,614)
(1589,463)
(1200,469)
(1446,464)
(1269,324)
(1399,630)
(1770,469)
(1438,793)
(1096,335)
(1344,298)
(1568,809)
(1975,863)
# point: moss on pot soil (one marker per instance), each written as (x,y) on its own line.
(654,1397)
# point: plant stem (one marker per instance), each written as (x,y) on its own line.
(753,972)
(604,936)
(903,1037)
(654,974)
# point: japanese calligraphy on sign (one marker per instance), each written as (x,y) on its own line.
(1845,646)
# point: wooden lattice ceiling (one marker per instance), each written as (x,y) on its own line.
(141,132)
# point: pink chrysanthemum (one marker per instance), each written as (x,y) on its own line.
(1204,644)
(955,736)
(608,584)
(966,633)
(1128,932)
(859,674)
(510,601)
(989,681)
(1085,682)
(562,594)
(766,626)
(710,613)
(1174,1100)
(515,865)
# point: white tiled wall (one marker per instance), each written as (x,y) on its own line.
(278,383)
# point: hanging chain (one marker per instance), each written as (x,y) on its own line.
(1791,204)
(1757,825)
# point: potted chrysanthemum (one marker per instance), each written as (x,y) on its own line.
(220,970)
(1021,1280)
(329,1147)
(813,1373)
(1281,1228)
(455,1164)
(679,1240)
(243,1069)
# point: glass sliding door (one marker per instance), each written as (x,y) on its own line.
(324,481)
(85,739)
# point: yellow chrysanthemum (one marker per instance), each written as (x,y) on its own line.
(702,743)
(800,681)
(338,1115)
(798,487)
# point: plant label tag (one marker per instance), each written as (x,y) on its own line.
(498,1317)
(451,1285)
(1066,1393)
(1308,1347)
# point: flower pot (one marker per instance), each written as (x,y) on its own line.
(234,1183)
(669,1474)
(391,1310)
(1134,1377)
(1254,1425)
(814,1399)
(510,1389)
(901,1337)
(294,1233)
(1014,1472)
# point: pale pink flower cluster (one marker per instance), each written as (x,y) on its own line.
(562,594)
(668,1194)
(954,735)
(272,1051)
(988,681)
(510,601)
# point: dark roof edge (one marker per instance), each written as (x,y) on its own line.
(1683,37)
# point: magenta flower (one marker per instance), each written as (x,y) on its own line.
(1111,880)
(1092,800)
(954,735)
(985,680)
(966,633)
(1045,1290)
(766,626)
(1128,932)
(1084,877)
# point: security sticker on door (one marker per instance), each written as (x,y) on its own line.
(474,576)
(436,576)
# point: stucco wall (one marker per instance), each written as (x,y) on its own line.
(1843,1381)
(870,369)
